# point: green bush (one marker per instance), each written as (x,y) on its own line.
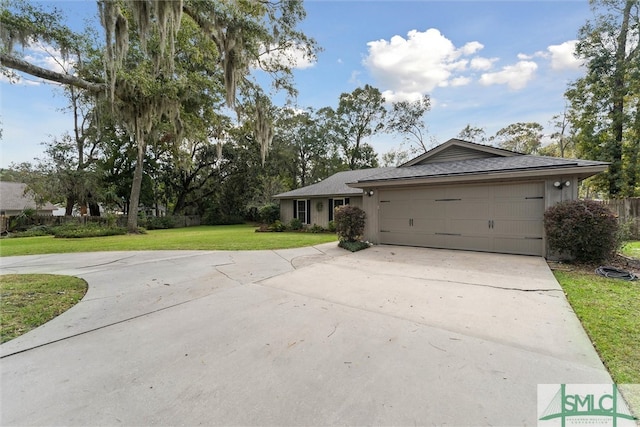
(269,213)
(277,226)
(213,216)
(583,230)
(353,246)
(295,224)
(228,220)
(332,226)
(315,228)
(38,230)
(252,214)
(74,230)
(349,221)
(159,222)
(23,221)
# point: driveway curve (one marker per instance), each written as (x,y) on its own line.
(311,336)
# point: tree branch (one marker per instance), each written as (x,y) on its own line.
(65,79)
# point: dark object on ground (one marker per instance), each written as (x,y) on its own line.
(615,273)
(353,246)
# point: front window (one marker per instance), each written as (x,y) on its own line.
(301,211)
(334,203)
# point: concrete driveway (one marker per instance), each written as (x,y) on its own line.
(313,336)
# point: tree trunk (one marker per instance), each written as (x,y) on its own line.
(180,202)
(94,209)
(633,168)
(71,201)
(136,186)
(619,91)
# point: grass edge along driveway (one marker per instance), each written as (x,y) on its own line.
(609,310)
(30,300)
(219,237)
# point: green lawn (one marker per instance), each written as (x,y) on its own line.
(609,310)
(30,300)
(632,249)
(222,237)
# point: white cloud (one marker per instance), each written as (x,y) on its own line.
(355,78)
(391,96)
(460,81)
(294,56)
(515,76)
(562,57)
(47,57)
(421,62)
(482,64)
(471,48)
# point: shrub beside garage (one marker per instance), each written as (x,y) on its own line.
(582,230)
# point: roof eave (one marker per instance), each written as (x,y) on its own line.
(318,196)
(581,172)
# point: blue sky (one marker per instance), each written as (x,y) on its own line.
(484,63)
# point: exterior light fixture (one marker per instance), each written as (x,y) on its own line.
(370,193)
(560,184)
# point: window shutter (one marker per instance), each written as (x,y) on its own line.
(295,209)
(330,209)
(346,200)
(308,211)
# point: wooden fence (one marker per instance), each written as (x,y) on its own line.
(628,212)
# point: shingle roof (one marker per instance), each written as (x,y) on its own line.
(479,166)
(334,185)
(12,197)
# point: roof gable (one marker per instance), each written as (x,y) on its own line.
(14,198)
(455,150)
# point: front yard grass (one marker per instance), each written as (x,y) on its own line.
(221,237)
(609,310)
(30,300)
(632,249)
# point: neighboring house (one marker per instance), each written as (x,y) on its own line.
(13,200)
(462,195)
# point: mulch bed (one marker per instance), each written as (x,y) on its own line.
(620,262)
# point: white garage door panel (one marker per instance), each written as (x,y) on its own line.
(468,218)
(396,208)
(413,239)
(469,243)
(393,215)
(468,192)
(397,225)
(518,228)
(467,227)
(495,218)
(428,225)
(433,208)
(527,189)
(463,209)
(518,246)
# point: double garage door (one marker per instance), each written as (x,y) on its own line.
(504,218)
